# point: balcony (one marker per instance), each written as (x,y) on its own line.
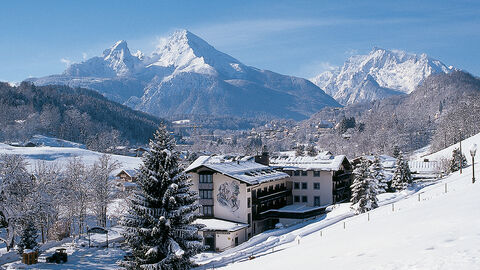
(271,195)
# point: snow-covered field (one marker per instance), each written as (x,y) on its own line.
(447,152)
(80,256)
(427,229)
(61,155)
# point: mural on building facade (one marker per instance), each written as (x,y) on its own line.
(228,195)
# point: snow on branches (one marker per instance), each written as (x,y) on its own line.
(158,225)
(364,188)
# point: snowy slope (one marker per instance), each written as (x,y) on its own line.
(62,155)
(186,75)
(447,152)
(438,232)
(380,74)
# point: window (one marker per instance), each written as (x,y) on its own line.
(296,185)
(304,185)
(296,198)
(316,201)
(316,173)
(316,185)
(248,202)
(304,199)
(207,211)
(249,217)
(205,193)
(277,186)
(296,173)
(206,178)
(304,173)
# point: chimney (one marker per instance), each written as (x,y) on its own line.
(264,158)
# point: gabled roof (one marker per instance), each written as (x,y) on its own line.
(324,161)
(131,173)
(244,169)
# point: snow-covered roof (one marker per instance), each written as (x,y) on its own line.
(387,161)
(296,208)
(244,169)
(131,173)
(324,161)
(214,224)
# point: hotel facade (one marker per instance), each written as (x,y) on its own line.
(244,196)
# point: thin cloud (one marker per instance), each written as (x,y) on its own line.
(227,33)
(315,68)
(66,61)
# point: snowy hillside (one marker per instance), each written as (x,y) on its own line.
(61,155)
(380,74)
(447,152)
(186,75)
(423,228)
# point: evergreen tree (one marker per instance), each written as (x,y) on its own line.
(28,238)
(376,172)
(455,161)
(402,176)
(158,225)
(300,151)
(364,189)
(396,151)
(311,151)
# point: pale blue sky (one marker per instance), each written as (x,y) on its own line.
(301,38)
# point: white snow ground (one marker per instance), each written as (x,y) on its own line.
(80,256)
(466,144)
(61,155)
(439,231)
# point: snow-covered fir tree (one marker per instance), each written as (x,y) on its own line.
(158,225)
(364,189)
(376,172)
(28,237)
(402,176)
(457,159)
(300,151)
(311,151)
(396,151)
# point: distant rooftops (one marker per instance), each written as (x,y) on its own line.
(244,168)
(324,161)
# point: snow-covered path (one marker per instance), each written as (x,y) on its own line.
(439,231)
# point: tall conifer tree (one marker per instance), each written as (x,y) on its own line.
(158,225)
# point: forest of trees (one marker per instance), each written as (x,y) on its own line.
(77,115)
(53,199)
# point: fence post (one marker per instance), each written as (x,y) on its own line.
(393,207)
(445,187)
(321,234)
(418,196)
(368,215)
(344,225)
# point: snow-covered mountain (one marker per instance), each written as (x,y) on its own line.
(377,75)
(186,75)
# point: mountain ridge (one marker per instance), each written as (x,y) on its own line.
(394,71)
(187,75)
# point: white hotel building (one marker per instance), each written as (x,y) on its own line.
(243,196)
